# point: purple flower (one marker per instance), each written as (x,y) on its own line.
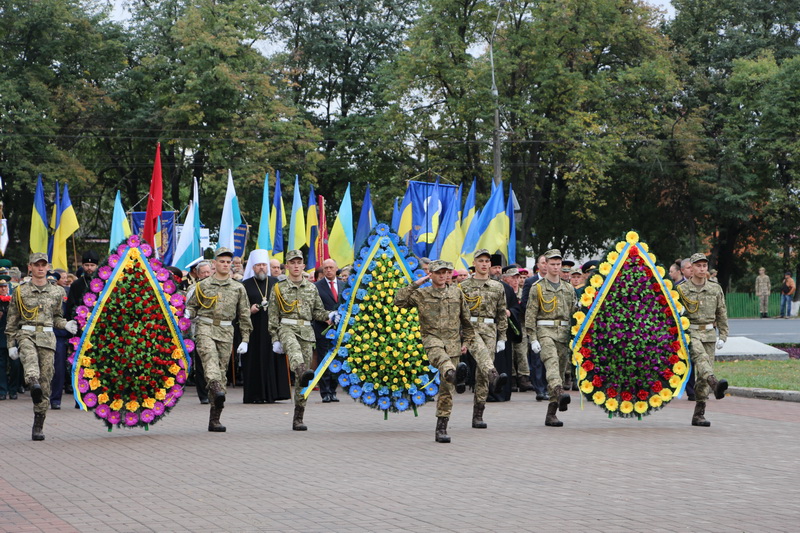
(170,400)
(89,299)
(184,324)
(102,411)
(121,249)
(148,416)
(181,377)
(83,386)
(177,300)
(113,259)
(176,391)
(146,249)
(114,417)
(90,399)
(158,408)
(156,264)
(189,343)
(96,285)
(169,286)
(134,241)
(131,419)
(162,275)
(104,272)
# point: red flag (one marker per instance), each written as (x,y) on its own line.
(154,201)
(322,246)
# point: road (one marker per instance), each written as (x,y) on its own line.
(767,330)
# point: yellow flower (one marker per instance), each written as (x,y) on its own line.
(586,386)
(666,394)
(612,404)
(626,407)
(632,237)
(85,361)
(169,382)
(641,407)
(659,268)
(668,284)
(682,354)
(620,245)
(674,294)
(94,383)
(605,268)
(599,398)
(132,405)
(174,369)
(102,397)
(591,291)
(679,307)
(116,405)
(644,246)
(596,281)
(574,330)
(679,368)
(579,316)
(577,357)
(653,259)
(88,373)
(685,322)
(149,402)
(612,256)
(582,373)
(161,394)
(177,353)
(586,301)
(656,400)
(675,381)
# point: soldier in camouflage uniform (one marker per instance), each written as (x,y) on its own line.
(444,324)
(763,288)
(34,311)
(486,299)
(215,303)
(547,322)
(704,305)
(294,303)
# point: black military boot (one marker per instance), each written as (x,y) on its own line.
(304,374)
(551,419)
(38,426)
(36,391)
(213,420)
(697,418)
(563,398)
(719,386)
(477,416)
(441,429)
(297,422)
(524,383)
(462,370)
(215,390)
(496,381)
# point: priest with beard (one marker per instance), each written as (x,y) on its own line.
(265,375)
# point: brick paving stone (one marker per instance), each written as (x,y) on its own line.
(353,471)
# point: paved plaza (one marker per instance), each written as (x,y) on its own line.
(353,471)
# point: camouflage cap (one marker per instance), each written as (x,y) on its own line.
(439,265)
(36,257)
(552,254)
(696,258)
(513,271)
(575,270)
(294,254)
(223,251)
(481,251)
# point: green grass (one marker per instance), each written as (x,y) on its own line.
(778,375)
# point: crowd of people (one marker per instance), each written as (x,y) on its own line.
(261,325)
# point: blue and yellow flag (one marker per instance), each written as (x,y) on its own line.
(120,227)
(264,238)
(493,223)
(450,239)
(366,221)
(404,222)
(297,223)
(277,220)
(66,225)
(340,241)
(312,232)
(39,237)
(468,213)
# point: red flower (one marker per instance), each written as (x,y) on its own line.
(657,386)
(627,396)
(587,338)
(634,251)
(597,381)
(673,331)
(586,352)
(667,373)
(676,345)
(660,299)
(673,359)
(611,392)
(643,395)
(588,366)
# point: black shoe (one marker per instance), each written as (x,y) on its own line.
(204,401)
(461,377)
(539,396)
(326,398)
(36,392)
(55,406)
(334,399)
(12,395)
(306,378)
(719,390)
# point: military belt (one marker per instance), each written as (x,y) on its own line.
(295,322)
(701,326)
(46,329)
(552,323)
(214,321)
(481,320)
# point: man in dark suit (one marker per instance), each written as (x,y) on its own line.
(330,292)
(538,378)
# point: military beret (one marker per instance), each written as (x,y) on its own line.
(90,256)
(38,256)
(590,265)
(481,251)
(5,263)
(439,265)
(223,251)
(696,258)
(552,254)
(524,271)
(294,254)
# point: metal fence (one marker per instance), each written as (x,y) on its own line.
(745,304)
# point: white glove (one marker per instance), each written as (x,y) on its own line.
(334,317)
(242,348)
(501,345)
(187,313)
(72,327)
(277,347)
(13,353)
(720,344)
(536,347)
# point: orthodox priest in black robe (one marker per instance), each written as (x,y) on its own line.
(265,375)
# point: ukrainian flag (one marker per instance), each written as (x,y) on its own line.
(264,240)
(277,220)
(39,237)
(66,225)
(340,241)
(493,223)
(312,232)
(297,224)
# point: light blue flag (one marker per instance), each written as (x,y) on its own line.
(365,222)
(231,217)
(395,216)
(120,228)
(471,240)
(188,247)
(447,227)
(264,240)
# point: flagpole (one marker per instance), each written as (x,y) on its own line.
(74,254)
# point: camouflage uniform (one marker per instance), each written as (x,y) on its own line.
(554,305)
(521,366)
(292,307)
(763,288)
(32,314)
(486,300)
(444,321)
(216,304)
(706,310)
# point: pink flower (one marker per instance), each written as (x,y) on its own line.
(131,419)
(189,343)
(162,275)
(96,285)
(82,311)
(181,377)
(89,299)
(83,386)
(170,400)
(74,342)
(104,272)
(113,259)
(113,417)
(102,411)
(169,286)
(90,399)
(177,300)
(146,249)
(176,391)
(184,324)
(158,408)
(148,416)
(156,264)
(121,249)
(134,241)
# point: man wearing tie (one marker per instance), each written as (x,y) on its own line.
(330,290)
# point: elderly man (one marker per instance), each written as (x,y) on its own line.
(330,291)
(216,302)
(276,269)
(35,309)
(294,304)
